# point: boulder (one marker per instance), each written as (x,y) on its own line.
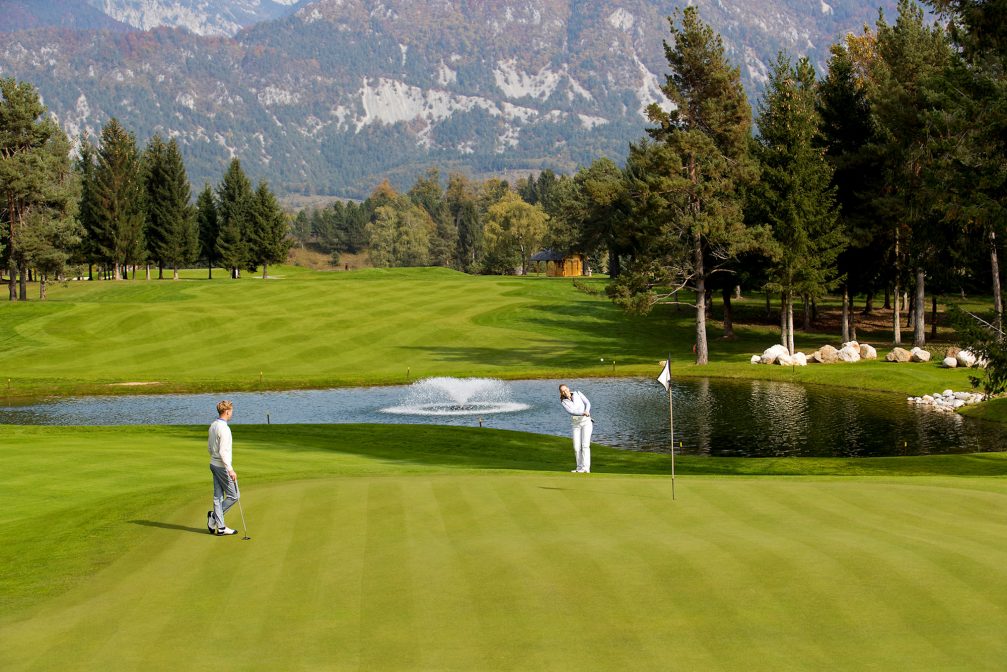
(800,359)
(919,355)
(898,355)
(950,362)
(771,354)
(849,354)
(756,359)
(965,358)
(868,351)
(825,355)
(952,351)
(851,344)
(785,359)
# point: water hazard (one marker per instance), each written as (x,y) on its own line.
(711,417)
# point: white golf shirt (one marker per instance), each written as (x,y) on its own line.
(219,445)
(577,405)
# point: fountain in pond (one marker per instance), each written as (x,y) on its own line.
(456,396)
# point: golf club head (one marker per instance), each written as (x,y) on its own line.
(246,538)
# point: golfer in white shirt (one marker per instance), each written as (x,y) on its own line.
(579,408)
(225,481)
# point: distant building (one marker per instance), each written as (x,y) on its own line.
(560,265)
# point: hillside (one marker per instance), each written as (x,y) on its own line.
(341,93)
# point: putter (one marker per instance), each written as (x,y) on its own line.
(243,523)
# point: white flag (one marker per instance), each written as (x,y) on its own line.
(665,377)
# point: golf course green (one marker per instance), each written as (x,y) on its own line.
(410,547)
(433,548)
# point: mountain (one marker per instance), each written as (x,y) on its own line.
(342,93)
(202,17)
(18,15)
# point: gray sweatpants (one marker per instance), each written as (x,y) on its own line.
(225,494)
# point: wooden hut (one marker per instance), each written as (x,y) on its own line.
(559,265)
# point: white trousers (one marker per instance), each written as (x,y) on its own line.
(582,428)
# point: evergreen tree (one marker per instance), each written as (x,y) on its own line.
(38,191)
(462,202)
(426,192)
(234,203)
(605,211)
(269,242)
(208,227)
(119,198)
(849,140)
(88,251)
(399,236)
(172,239)
(687,185)
(910,55)
(794,195)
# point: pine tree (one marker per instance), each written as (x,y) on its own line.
(687,185)
(208,228)
(88,250)
(794,194)
(119,198)
(234,203)
(269,241)
(171,234)
(38,190)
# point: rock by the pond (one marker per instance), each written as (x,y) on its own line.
(868,351)
(947,400)
(756,359)
(773,353)
(950,362)
(898,355)
(919,355)
(800,359)
(848,353)
(825,355)
(965,358)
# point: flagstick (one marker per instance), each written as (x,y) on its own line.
(671,423)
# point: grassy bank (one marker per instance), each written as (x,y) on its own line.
(312,329)
(405,547)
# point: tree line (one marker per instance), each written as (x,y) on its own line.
(116,207)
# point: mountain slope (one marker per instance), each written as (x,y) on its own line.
(341,93)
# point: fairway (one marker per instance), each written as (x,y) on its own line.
(304,329)
(406,548)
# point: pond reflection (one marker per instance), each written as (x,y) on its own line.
(711,416)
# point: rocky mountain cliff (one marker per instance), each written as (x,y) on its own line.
(338,94)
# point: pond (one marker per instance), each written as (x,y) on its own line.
(711,417)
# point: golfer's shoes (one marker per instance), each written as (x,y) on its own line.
(209,523)
(225,532)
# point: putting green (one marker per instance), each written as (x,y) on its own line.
(435,555)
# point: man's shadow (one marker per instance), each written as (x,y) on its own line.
(169,526)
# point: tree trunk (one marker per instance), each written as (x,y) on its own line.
(844,330)
(737,292)
(783,319)
(209,270)
(896,318)
(853,323)
(117,272)
(998,304)
(23,286)
(174,272)
(160,271)
(919,335)
(868,304)
(147,272)
(41,287)
(728,317)
(933,317)
(790,323)
(12,282)
(702,349)
(264,274)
